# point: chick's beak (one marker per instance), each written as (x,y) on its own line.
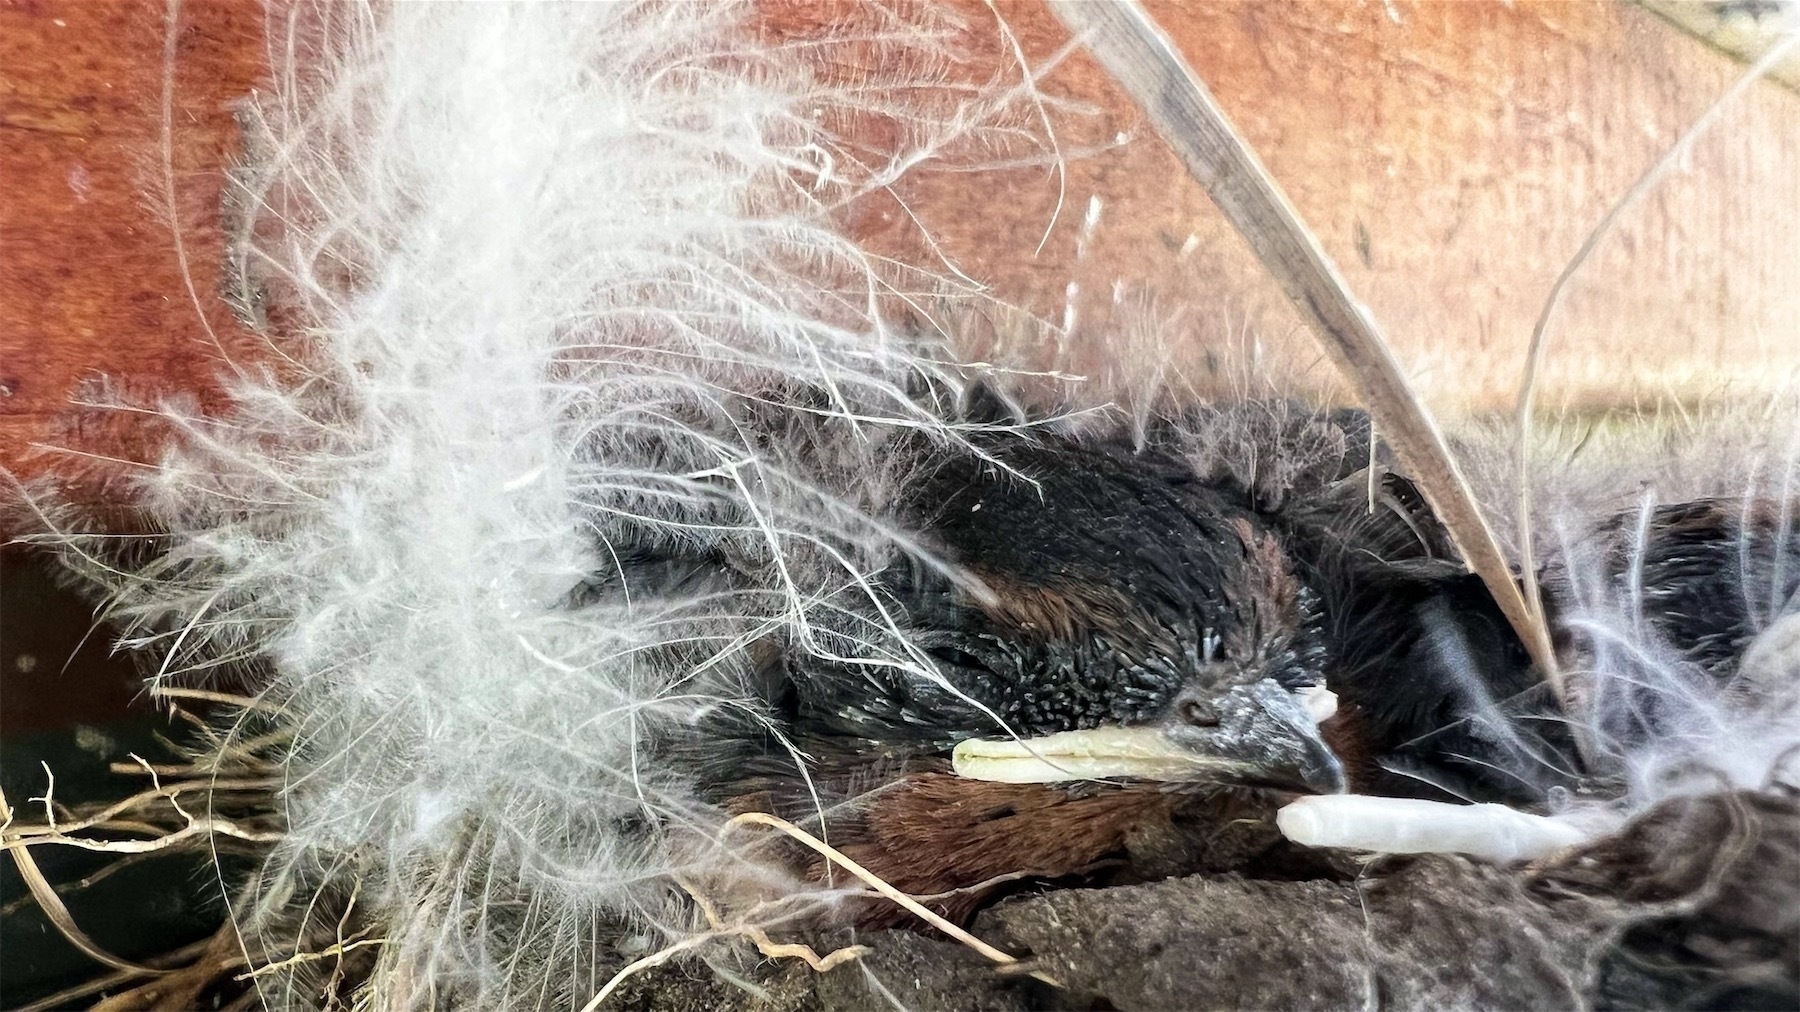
(1257,735)
(1262,735)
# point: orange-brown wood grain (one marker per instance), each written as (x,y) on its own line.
(90,281)
(1451,156)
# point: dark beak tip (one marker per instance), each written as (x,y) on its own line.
(1297,782)
(1329,784)
(1325,775)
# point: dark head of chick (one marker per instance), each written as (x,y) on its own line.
(1092,588)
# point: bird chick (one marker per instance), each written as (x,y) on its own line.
(1126,636)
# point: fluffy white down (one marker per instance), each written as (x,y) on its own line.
(547,281)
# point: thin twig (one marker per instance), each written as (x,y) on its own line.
(67,997)
(53,907)
(335,949)
(195,828)
(637,966)
(768,946)
(875,882)
(176,980)
(782,950)
(207,695)
(180,989)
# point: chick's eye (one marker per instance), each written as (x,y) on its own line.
(953,657)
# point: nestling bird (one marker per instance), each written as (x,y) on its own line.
(1136,632)
(1159,628)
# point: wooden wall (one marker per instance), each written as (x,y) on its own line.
(1451,155)
(91,278)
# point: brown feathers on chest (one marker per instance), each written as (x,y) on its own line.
(957,843)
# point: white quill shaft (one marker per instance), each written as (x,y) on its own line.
(1410,826)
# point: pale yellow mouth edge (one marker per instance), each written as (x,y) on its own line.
(1100,753)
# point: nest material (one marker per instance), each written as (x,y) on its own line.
(1694,905)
